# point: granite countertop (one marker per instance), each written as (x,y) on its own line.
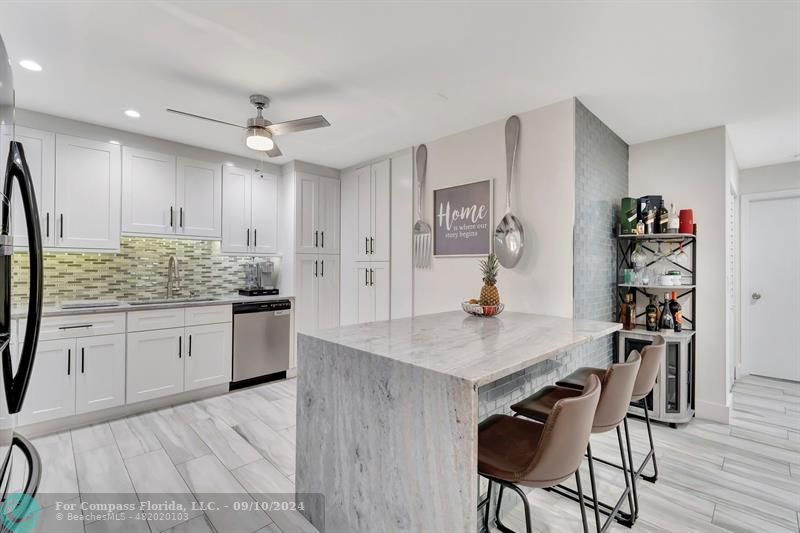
(479,350)
(125,306)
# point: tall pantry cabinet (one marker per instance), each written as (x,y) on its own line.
(316,245)
(366,230)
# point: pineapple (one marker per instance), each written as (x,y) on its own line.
(489,268)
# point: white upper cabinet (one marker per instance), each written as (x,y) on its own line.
(199,199)
(149,181)
(249,212)
(40,152)
(264,194)
(318,214)
(366,211)
(87,194)
(165,195)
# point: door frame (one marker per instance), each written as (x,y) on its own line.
(745,201)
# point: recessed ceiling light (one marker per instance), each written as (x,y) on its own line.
(132,113)
(112,141)
(31,65)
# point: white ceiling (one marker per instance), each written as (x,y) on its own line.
(395,73)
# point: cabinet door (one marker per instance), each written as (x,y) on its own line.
(40,153)
(381,211)
(306,297)
(328,297)
(236,184)
(149,183)
(307,224)
(264,222)
(365,300)
(100,371)
(328,214)
(87,194)
(364,213)
(381,289)
(155,364)
(199,201)
(51,392)
(208,355)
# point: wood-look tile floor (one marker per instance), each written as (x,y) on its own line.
(713,478)
(744,477)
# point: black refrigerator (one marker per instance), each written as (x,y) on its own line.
(16,373)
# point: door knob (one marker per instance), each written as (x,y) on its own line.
(755,296)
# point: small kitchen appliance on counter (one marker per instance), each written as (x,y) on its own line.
(259,279)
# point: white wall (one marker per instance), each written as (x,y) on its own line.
(690,170)
(770,178)
(731,264)
(544,201)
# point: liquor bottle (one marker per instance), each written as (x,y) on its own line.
(663,219)
(673,224)
(651,315)
(676,310)
(627,312)
(666,321)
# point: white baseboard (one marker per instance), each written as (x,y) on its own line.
(713,411)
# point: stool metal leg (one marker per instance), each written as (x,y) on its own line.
(526,506)
(583,507)
(488,505)
(633,475)
(652,454)
(594,488)
(631,518)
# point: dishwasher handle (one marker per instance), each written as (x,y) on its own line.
(261,307)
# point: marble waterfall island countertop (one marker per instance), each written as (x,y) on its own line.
(480,350)
(387,418)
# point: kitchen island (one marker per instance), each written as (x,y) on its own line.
(387,414)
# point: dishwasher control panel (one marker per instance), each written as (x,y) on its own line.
(260,307)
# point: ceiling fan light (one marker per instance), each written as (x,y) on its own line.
(259,139)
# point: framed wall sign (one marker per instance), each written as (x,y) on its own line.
(462,219)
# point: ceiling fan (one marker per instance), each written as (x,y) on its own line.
(261,130)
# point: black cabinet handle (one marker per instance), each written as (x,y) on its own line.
(366,245)
(69,361)
(255,238)
(171,218)
(82,359)
(315,269)
(190,345)
(180,216)
(47,224)
(316,239)
(372,245)
(323,239)
(180,351)
(322,269)
(371,277)
(248,237)
(366,277)
(61,234)
(75,327)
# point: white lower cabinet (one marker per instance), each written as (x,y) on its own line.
(155,364)
(317,291)
(366,293)
(51,390)
(100,372)
(208,355)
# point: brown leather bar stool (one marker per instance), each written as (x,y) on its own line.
(617,386)
(514,451)
(652,358)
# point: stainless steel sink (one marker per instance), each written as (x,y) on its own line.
(160,301)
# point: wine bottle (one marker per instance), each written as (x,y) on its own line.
(673,224)
(627,312)
(663,219)
(676,310)
(667,322)
(651,315)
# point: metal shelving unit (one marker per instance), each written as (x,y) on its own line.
(673,398)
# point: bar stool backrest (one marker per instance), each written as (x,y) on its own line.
(564,438)
(616,395)
(652,358)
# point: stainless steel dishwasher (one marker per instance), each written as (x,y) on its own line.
(261,341)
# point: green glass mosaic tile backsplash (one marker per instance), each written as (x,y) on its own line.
(138,271)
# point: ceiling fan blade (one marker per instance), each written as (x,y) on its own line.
(184,113)
(275,152)
(301,124)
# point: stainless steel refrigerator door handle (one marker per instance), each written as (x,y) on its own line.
(17,384)
(756,296)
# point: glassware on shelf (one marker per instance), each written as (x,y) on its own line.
(638,257)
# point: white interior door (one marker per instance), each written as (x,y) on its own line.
(265,213)
(236,184)
(771,285)
(87,194)
(40,148)
(199,199)
(381,211)
(148,192)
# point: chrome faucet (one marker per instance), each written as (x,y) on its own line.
(173,276)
